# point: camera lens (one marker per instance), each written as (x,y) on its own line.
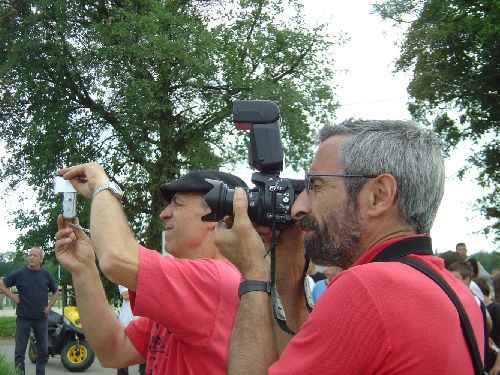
(220,201)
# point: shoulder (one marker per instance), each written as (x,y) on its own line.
(384,281)
(14,274)
(46,273)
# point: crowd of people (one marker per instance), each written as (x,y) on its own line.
(383,302)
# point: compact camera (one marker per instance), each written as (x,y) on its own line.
(270,201)
(68,195)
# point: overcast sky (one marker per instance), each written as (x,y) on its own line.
(369,90)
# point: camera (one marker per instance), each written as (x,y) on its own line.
(270,201)
(68,194)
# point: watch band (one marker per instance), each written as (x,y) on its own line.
(253,286)
(111,187)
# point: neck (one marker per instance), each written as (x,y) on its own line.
(371,241)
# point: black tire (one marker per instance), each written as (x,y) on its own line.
(32,352)
(77,359)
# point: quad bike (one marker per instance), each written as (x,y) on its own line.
(66,338)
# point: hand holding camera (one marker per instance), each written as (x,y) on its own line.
(85,178)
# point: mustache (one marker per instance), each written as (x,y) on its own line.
(308,222)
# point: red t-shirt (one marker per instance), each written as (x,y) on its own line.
(188,308)
(384,318)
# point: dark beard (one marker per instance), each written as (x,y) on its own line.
(334,242)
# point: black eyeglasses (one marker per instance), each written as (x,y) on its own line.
(309,178)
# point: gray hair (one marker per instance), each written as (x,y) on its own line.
(403,149)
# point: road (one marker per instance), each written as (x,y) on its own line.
(54,366)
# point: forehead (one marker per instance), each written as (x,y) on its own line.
(35,251)
(327,158)
(188,196)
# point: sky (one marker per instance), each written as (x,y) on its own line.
(368,89)
(371,90)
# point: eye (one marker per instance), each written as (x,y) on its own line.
(176,202)
(315,184)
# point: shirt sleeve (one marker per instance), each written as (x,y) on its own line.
(182,295)
(338,336)
(10,279)
(139,333)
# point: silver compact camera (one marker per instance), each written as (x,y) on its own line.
(68,194)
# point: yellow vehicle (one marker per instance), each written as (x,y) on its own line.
(67,339)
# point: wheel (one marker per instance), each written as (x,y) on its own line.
(32,353)
(77,358)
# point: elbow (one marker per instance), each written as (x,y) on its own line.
(117,268)
(108,362)
(110,267)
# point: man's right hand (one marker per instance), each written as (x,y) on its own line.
(73,247)
(85,177)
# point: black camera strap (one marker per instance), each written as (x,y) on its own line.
(398,252)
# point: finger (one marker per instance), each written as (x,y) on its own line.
(79,232)
(228,220)
(61,223)
(240,208)
(263,230)
(72,172)
(221,225)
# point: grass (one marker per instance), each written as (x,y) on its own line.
(7,327)
(6,368)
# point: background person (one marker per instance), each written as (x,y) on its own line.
(330,272)
(461,250)
(33,285)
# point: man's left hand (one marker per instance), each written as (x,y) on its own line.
(46,311)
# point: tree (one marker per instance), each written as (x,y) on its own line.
(490,261)
(453,49)
(145,88)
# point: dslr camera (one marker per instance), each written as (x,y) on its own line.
(270,201)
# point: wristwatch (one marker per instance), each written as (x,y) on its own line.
(112,187)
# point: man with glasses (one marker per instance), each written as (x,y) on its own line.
(371,198)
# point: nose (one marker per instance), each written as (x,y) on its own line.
(301,206)
(167,212)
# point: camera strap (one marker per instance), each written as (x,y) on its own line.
(399,251)
(277,306)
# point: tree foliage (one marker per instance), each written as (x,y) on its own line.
(145,88)
(490,261)
(453,49)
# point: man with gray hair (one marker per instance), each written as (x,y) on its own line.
(33,285)
(371,198)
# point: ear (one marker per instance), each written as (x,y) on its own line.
(380,194)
